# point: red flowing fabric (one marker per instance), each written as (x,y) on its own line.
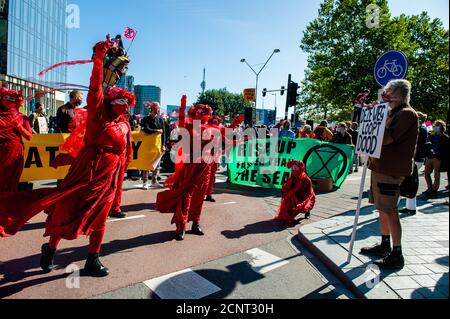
(80,205)
(42,73)
(189,184)
(12,148)
(298,197)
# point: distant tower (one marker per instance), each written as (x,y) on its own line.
(203,84)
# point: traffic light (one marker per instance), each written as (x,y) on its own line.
(264,92)
(283,88)
(292,94)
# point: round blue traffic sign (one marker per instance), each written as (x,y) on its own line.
(391,65)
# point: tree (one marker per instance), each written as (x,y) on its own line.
(343,50)
(223,102)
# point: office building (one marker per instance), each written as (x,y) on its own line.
(33,36)
(145,93)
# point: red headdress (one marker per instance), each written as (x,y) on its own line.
(297,165)
(215,120)
(115,93)
(200,112)
(10,98)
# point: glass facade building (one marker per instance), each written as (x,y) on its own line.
(126,82)
(33,36)
(145,93)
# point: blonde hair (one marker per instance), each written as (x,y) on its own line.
(402,88)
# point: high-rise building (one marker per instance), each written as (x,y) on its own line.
(33,36)
(126,82)
(145,93)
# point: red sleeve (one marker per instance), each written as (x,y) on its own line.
(129,147)
(25,128)
(182,113)
(95,95)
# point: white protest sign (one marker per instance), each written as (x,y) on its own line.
(371,130)
(43,127)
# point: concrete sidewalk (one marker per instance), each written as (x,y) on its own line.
(425,247)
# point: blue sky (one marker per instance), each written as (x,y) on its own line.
(178,38)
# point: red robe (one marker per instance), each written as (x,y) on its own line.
(12,148)
(80,205)
(298,197)
(188,185)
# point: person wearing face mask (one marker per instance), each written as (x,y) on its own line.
(153,124)
(14,126)
(298,196)
(438,161)
(66,113)
(342,136)
(81,203)
(396,162)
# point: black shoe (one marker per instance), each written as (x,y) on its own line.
(377,250)
(407,211)
(47,258)
(179,236)
(197,230)
(391,261)
(94,267)
(210,199)
(307,215)
(117,215)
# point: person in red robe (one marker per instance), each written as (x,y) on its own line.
(189,184)
(298,196)
(13,127)
(81,203)
(215,123)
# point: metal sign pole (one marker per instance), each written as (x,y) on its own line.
(358,209)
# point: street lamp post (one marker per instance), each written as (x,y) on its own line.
(258,73)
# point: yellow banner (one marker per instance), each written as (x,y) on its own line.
(42,149)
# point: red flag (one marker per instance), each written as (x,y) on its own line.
(130,33)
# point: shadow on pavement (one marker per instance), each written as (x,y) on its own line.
(19,269)
(262,227)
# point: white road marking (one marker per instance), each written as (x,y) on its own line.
(126,218)
(184,284)
(263,262)
(229,203)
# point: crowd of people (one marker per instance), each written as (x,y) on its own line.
(92,189)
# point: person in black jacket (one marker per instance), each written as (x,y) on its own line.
(438,161)
(421,154)
(154,124)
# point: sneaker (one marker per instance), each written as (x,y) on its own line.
(146,186)
(209,198)
(157,185)
(391,261)
(377,250)
(407,211)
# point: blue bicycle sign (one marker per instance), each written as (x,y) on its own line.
(390,66)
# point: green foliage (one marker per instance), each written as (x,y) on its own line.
(223,102)
(343,51)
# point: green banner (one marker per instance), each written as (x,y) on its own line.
(258,162)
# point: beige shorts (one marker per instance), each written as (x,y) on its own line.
(385,192)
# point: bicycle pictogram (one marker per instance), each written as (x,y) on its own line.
(391,67)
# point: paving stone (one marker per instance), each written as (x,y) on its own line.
(438,269)
(420,269)
(401,282)
(431,293)
(425,280)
